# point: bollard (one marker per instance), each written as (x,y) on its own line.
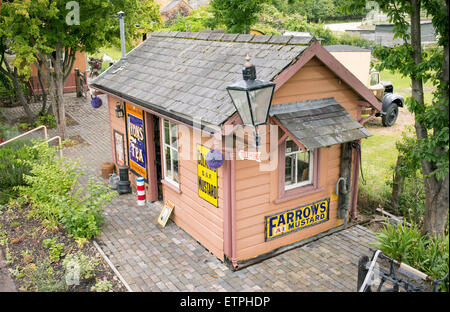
(140,186)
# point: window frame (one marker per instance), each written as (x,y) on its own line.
(310,168)
(297,190)
(170,179)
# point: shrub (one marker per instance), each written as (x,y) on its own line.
(427,254)
(412,197)
(13,168)
(58,197)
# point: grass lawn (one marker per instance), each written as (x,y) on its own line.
(113,52)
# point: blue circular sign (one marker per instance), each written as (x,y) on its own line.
(214,159)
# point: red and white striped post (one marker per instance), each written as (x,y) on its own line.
(140,186)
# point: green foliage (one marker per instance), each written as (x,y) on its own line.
(102,285)
(408,245)
(85,264)
(57,196)
(7,132)
(14,165)
(55,249)
(41,278)
(412,199)
(38,26)
(43,119)
(199,19)
(237,16)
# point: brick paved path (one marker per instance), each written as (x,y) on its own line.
(151,258)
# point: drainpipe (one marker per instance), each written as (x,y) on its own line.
(121,15)
(355,186)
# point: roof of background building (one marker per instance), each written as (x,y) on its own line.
(185,75)
(345,48)
(319,123)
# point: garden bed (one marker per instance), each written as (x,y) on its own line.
(35,255)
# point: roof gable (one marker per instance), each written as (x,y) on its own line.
(320,52)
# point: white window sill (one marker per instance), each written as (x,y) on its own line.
(293,186)
(172,185)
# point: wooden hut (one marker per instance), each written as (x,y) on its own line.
(172,89)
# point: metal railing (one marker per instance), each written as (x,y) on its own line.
(47,140)
(26,133)
(52,139)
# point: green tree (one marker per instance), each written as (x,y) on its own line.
(51,31)
(237,15)
(431,119)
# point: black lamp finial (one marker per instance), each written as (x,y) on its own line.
(249,70)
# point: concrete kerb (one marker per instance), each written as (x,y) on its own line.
(111,265)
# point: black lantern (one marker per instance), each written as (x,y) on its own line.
(252,97)
(119,111)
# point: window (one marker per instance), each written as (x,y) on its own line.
(170,154)
(374,79)
(298,166)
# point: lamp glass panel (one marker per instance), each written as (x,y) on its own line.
(260,104)
(240,101)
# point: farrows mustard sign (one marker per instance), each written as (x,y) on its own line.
(207,177)
(296,219)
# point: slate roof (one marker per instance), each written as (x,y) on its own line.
(319,123)
(345,48)
(184,75)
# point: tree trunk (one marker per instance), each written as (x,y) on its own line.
(21,96)
(44,92)
(436,192)
(397,187)
(14,76)
(58,80)
(436,212)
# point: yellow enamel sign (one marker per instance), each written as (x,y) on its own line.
(207,177)
(296,219)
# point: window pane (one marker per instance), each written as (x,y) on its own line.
(291,146)
(289,172)
(168,163)
(302,167)
(374,79)
(241,102)
(175,165)
(260,101)
(173,135)
(166,132)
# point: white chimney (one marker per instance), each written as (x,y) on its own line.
(122,34)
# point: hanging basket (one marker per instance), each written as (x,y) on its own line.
(96,102)
(214,159)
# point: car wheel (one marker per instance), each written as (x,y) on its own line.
(391,115)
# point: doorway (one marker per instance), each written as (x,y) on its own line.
(157,149)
